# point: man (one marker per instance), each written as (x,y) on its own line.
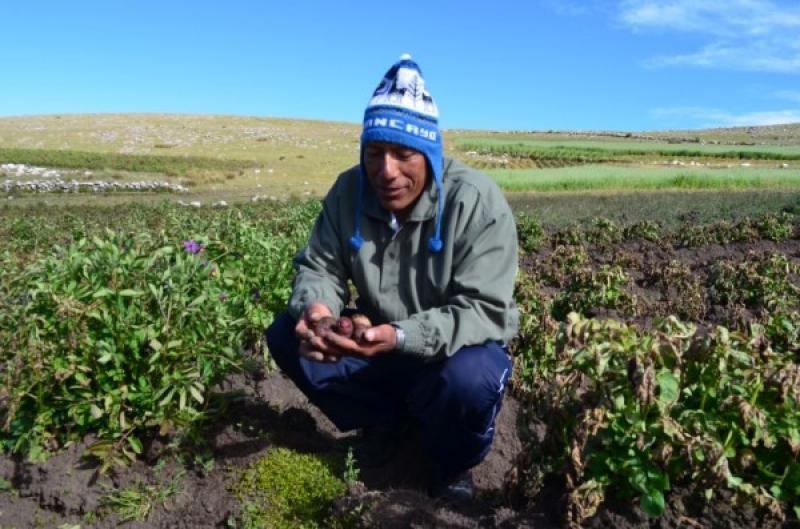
(430,246)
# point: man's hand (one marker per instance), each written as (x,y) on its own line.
(375,340)
(312,346)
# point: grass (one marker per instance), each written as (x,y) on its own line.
(626,178)
(600,150)
(286,152)
(168,165)
(137,501)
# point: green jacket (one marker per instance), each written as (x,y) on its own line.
(443,301)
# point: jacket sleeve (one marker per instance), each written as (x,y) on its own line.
(480,305)
(321,274)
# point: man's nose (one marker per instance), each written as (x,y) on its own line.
(390,166)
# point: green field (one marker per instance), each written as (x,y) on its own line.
(627,178)
(616,147)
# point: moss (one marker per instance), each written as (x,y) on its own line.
(286,489)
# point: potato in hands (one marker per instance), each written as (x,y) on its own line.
(352,327)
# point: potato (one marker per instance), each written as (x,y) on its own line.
(344,327)
(323,325)
(348,326)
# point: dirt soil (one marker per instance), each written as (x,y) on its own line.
(269,411)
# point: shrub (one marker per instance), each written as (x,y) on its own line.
(118,336)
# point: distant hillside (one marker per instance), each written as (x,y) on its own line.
(248,154)
(788,134)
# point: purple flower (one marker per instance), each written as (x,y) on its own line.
(256,293)
(192,246)
(223,296)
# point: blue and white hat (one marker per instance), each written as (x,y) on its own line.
(402,111)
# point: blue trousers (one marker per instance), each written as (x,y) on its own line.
(455,401)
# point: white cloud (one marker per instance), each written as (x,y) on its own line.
(744,35)
(710,117)
(727,18)
(753,57)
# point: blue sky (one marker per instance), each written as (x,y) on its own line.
(537,64)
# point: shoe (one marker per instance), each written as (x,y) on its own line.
(377,445)
(456,490)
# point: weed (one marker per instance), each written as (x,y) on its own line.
(351,470)
(138,501)
(286,489)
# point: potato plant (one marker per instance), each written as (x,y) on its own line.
(645,410)
(124,335)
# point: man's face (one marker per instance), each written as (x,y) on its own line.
(397,174)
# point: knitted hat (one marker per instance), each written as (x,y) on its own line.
(401,111)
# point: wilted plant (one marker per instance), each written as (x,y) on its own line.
(532,348)
(684,292)
(562,262)
(642,411)
(645,229)
(775,227)
(762,282)
(570,235)
(603,231)
(586,290)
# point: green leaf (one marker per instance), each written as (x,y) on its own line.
(103,292)
(198,300)
(196,394)
(130,293)
(797,511)
(652,503)
(168,398)
(155,345)
(136,444)
(105,358)
(100,449)
(668,389)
